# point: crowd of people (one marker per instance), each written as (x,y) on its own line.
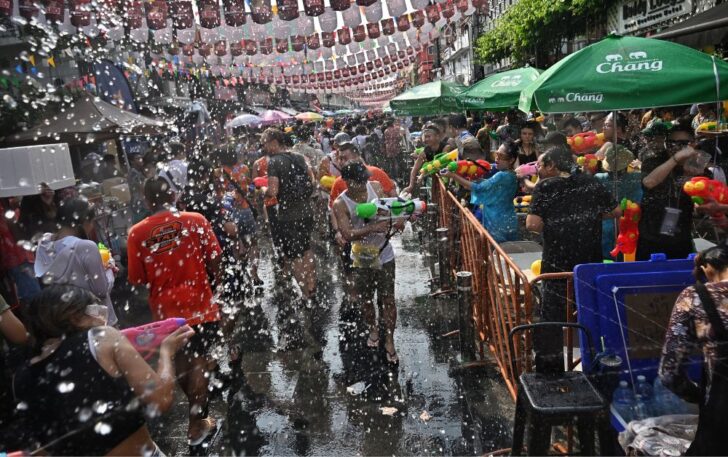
(201,210)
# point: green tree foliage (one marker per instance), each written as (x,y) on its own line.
(536,26)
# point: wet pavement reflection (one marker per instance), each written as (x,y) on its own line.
(349,400)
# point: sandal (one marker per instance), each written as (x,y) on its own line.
(208,429)
(372,343)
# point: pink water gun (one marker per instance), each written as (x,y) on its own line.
(147,338)
(527,169)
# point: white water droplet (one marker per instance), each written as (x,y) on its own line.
(102,428)
(66,387)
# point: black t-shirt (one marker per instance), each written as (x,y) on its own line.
(430,154)
(668,193)
(292,173)
(571,208)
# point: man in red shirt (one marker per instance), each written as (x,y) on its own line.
(174,254)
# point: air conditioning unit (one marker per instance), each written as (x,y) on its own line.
(460,79)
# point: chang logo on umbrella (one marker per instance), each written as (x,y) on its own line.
(637,61)
(507,81)
(571,97)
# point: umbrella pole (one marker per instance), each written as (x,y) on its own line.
(615,183)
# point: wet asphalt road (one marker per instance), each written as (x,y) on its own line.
(349,401)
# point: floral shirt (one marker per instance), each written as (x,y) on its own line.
(690,329)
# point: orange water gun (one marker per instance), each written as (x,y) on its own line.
(586,141)
(469,169)
(629,232)
(702,189)
(589,163)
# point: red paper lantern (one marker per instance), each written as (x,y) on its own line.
(448,9)
(27,9)
(261,12)
(329,76)
(480,5)
(337,74)
(378,63)
(287,9)
(380,73)
(401,54)
(298,42)
(400,65)
(463,5)
(403,23)
(157,14)
(313,7)
(286,79)
(313,41)
(373,30)
(360,33)
(394,57)
(251,47)
(266,46)
(386,60)
(281,45)
(269,79)
(393,68)
(320,77)
(204,50)
(410,51)
(236,48)
(370,66)
(80,11)
(328,39)
(234,12)
(362,68)
(418,18)
(345,72)
(209,11)
(329,85)
(340,5)
(6,7)
(412,59)
(365,2)
(388,26)
(304,79)
(296,79)
(188,49)
(433,12)
(336,84)
(173,49)
(387,70)
(344,36)
(182,16)
(353,71)
(220,48)
(54,10)
(367,77)
(134,14)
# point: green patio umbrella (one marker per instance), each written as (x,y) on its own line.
(498,92)
(622,73)
(428,99)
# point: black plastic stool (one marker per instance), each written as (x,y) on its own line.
(548,400)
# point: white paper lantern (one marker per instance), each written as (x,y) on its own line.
(419,4)
(197,59)
(115,33)
(340,62)
(396,7)
(141,34)
(352,17)
(341,50)
(163,36)
(427,28)
(326,52)
(329,21)
(281,29)
(227,59)
(233,33)
(351,60)
(371,55)
(240,60)
(305,25)
(381,52)
(257,31)
(441,22)
(319,66)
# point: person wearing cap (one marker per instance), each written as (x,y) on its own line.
(372,255)
(328,165)
(494,196)
(136,179)
(435,143)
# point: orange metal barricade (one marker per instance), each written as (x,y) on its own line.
(503,294)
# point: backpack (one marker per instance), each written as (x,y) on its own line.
(296,186)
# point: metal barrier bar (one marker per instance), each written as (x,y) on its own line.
(502,294)
(465,312)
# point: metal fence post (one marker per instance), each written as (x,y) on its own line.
(432,221)
(465,314)
(425,193)
(443,257)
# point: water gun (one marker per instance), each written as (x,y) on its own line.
(327,182)
(711,126)
(147,338)
(628,231)
(105,255)
(586,141)
(468,169)
(527,169)
(588,162)
(260,182)
(439,162)
(521,204)
(390,208)
(701,188)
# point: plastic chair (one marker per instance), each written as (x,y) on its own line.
(546,400)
